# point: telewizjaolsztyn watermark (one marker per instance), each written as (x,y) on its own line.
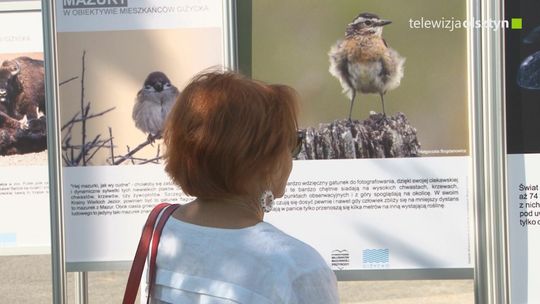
(453,24)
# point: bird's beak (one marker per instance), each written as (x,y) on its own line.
(383,22)
(158,87)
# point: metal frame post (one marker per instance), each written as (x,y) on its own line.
(490,164)
(81,287)
(230,35)
(55,161)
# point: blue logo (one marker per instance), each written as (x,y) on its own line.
(8,239)
(376,258)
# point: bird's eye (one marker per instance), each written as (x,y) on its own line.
(368,22)
(167,85)
(147,87)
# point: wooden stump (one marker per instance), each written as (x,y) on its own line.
(375,137)
(18,139)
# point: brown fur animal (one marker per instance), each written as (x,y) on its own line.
(17,137)
(22,87)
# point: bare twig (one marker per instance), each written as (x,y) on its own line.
(72,156)
(112,144)
(89,145)
(154,160)
(102,144)
(66,81)
(75,119)
(83,154)
(83,122)
(158,152)
(148,141)
(75,155)
(66,160)
(70,123)
(130,157)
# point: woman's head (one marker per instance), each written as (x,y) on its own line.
(228,135)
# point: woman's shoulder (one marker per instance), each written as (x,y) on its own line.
(262,242)
(311,280)
(284,261)
(289,249)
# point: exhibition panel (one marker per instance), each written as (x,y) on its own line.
(112,60)
(356,182)
(384,180)
(24,190)
(402,168)
(523,145)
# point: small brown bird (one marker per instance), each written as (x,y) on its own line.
(154,101)
(363,62)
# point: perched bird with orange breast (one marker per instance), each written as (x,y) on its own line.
(363,62)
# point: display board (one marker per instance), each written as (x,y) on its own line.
(112,57)
(24,200)
(401,202)
(522,53)
(381,183)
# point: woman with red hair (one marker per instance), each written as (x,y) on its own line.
(229,143)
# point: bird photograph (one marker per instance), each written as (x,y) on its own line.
(115,101)
(372,83)
(363,62)
(152,104)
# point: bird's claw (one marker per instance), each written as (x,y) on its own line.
(385,118)
(152,138)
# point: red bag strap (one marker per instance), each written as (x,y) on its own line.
(155,242)
(135,274)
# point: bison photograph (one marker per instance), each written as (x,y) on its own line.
(22,106)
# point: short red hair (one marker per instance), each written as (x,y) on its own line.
(227,131)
